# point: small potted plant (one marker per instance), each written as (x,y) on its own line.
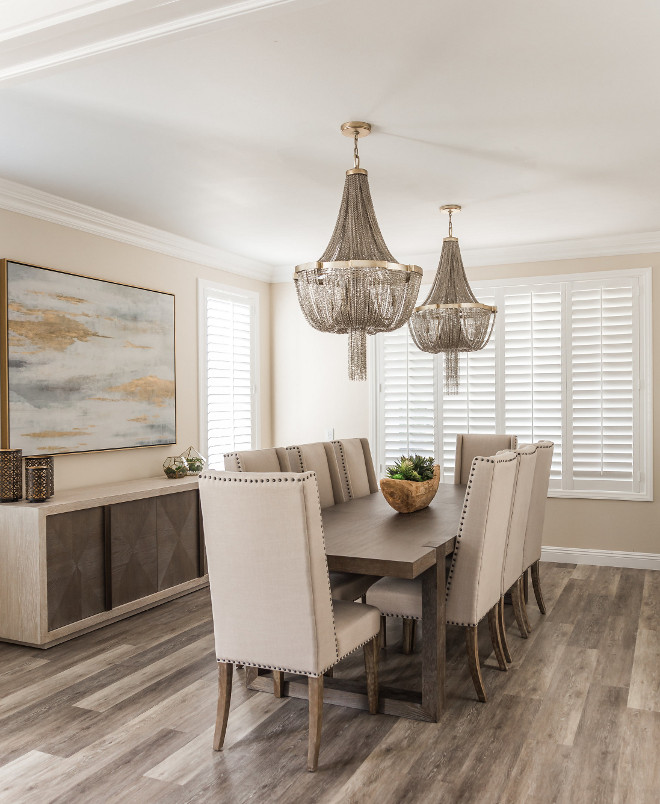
(175,467)
(411,483)
(194,461)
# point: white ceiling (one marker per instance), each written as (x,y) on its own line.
(219,121)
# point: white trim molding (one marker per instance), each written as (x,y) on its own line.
(55,209)
(158,29)
(601,558)
(610,246)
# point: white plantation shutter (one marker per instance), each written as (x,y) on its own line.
(569,361)
(532,367)
(228,372)
(406,399)
(603,384)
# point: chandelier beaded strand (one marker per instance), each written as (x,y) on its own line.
(357,287)
(451,320)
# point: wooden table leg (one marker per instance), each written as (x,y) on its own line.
(434,638)
(251,674)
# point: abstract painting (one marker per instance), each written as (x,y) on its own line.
(86,364)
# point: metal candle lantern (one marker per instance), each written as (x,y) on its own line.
(11,481)
(43,460)
(36,483)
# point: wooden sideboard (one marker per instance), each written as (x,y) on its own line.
(93,555)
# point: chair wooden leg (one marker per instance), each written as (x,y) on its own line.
(526,586)
(315,694)
(517,608)
(371,651)
(278,683)
(472,645)
(408,636)
(502,629)
(225,672)
(383,631)
(523,606)
(364,598)
(495,637)
(536,583)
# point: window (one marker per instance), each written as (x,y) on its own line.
(569,361)
(228,371)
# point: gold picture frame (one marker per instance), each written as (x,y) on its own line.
(86,364)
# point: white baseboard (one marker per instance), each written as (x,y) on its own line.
(601,558)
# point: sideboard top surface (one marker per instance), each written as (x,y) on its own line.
(105,494)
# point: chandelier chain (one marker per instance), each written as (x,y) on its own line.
(356,155)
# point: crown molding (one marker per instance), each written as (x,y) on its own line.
(640,243)
(146,34)
(38,204)
(611,246)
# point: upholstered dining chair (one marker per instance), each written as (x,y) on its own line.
(468,446)
(535,520)
(475,575)
(257,460)
(321,459)
(356,468)
(513,556)
(270,594)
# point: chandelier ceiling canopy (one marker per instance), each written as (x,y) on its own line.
(357,286)
(451,320)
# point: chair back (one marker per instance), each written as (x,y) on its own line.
(475,576)
(257,460)
(513,559)
(536,518)
(468,446)
(268,574)
(319,458)
(356,467)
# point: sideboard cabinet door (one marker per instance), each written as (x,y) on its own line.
(133,550)
(75,566)
(178,538)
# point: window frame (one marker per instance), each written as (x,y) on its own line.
(642,373)
(205,289)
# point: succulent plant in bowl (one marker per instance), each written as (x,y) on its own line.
(411,483)
(411,467)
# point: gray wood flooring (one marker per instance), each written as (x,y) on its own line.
(125,714)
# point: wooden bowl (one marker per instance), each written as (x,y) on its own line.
(406,496)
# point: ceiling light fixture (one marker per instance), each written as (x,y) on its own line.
(451,320)
(356,286)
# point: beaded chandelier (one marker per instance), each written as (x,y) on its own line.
(356,286)
(451,320)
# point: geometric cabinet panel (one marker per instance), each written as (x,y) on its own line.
(75,561)
(178,538)
(133,550)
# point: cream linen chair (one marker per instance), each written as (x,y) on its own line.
(469,446)
(535,520)
(270,593)
(356,468)
(320,458)
(475,575)
(257,460)
(513,557)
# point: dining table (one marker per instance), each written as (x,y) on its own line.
(366,536)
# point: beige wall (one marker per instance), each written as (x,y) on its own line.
(311,392)
(34,241)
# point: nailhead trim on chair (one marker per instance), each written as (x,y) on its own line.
(539,445)
(300,457)
(301,479)
(299,672)
(460,531)
(344,468)
(238,459)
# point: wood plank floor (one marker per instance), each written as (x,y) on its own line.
(125,714)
